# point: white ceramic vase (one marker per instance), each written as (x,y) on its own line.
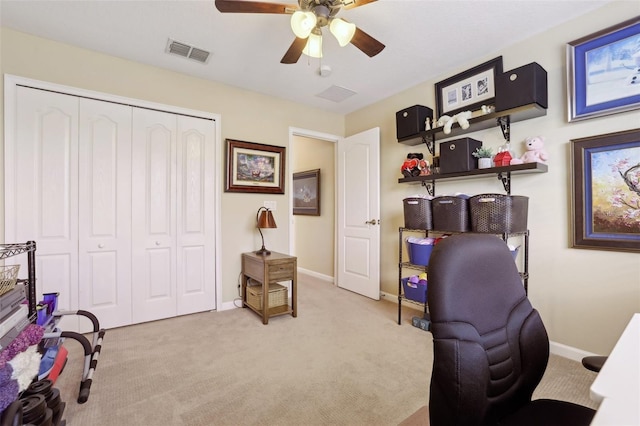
(484,163)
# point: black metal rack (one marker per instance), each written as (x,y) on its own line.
(524,274)
(10,250)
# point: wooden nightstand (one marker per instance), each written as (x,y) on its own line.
(269,270)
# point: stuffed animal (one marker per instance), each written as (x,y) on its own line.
(535,152)
(462,118)
(415,165)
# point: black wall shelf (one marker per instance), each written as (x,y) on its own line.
(503,173)
(481,122)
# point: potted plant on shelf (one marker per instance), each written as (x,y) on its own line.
(483,154)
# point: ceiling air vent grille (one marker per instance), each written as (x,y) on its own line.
(186,51)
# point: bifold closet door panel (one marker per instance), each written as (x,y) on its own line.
(41,199)
(195,215)
(104,246)
(153,215)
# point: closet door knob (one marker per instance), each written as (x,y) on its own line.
(157,243)
(100,245)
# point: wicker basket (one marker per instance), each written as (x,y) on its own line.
(498,213)
(8,277)
(278,296)
(451,214)
(417,213)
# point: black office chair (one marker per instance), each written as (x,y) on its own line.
(490,346)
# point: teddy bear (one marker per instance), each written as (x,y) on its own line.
(535,152)
(462,118)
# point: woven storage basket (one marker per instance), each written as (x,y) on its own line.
(417,213)
(278,296)
(450,214)
(8,277)
(498,213)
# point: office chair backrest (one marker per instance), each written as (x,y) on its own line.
(490,346)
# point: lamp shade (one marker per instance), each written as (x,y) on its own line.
(342,30)
(313,47)
(266,220)
(302,23)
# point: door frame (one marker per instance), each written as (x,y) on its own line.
(299,132)
(11,82)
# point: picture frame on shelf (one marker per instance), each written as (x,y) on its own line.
(606,191)
(254,167)
(306,193)
(468,90)
(603,72)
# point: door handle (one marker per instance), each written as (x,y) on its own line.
(372,222)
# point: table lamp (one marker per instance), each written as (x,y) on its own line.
(265,219)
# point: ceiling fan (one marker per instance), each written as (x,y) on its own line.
(308,18)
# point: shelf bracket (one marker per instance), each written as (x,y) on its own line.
(428,140)
(430,185)
(506,181)
(505,126)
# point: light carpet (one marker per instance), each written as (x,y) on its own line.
(343,361)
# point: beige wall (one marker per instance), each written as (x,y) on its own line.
(314,235)
(585,297)
(245,116)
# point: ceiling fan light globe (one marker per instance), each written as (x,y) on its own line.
(342,30)
(313,47)
(302,23)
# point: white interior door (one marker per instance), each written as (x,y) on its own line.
(195,225)
(359,213)
(153,215)
(41,200)
(104,225)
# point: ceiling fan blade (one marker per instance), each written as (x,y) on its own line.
(294,52)
(350,4)
(366,43)
(241,6)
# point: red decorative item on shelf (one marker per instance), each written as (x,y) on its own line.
(502,158)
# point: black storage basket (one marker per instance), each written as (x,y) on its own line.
(417,213)
(499,213)
(450,214)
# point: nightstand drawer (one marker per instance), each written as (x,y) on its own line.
(280,271)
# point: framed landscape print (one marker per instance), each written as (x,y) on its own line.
(306,193)
(253,167)
(603,72)
(606,191)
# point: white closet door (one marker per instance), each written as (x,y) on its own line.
(195,215)
(153,215)
(41,201)
(105,211)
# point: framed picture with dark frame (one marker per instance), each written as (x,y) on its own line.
(306,193)
(603,72)
(468,90)
(254,167)
(606,191)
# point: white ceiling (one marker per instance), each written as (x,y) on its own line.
(423,38)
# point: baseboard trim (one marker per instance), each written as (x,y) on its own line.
(316,275)
(570,352)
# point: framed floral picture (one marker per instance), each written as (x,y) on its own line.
(253,167)
(606,191)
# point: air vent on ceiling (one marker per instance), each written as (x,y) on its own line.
(186,51)
(336,93)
